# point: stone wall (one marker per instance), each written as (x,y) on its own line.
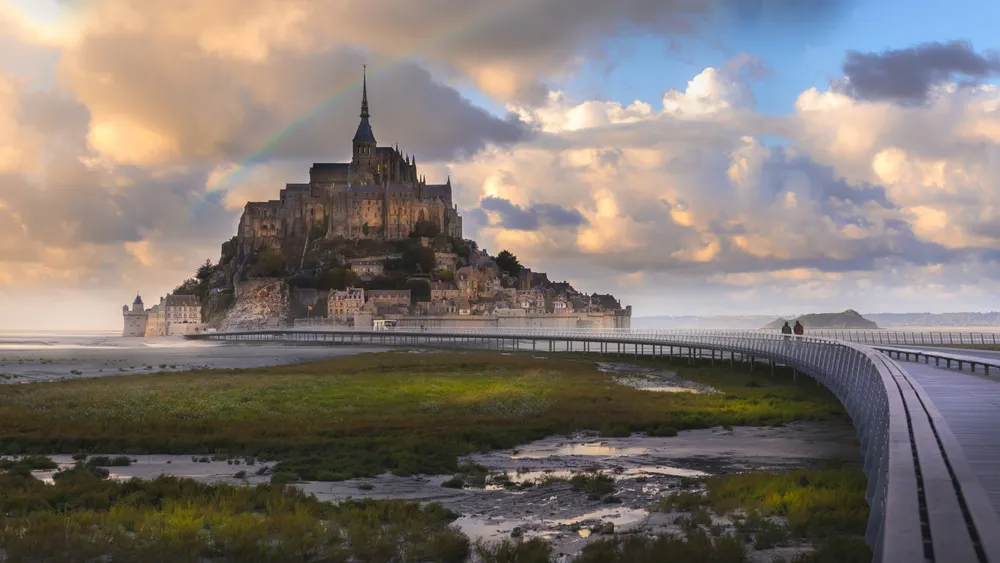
(608,320)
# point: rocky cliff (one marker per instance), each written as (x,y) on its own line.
(260,303)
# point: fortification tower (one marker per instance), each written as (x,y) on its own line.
(134,320)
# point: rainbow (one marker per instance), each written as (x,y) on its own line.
(476,19)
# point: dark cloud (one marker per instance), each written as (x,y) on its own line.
(292,106)
(532,217)
(907,75)
(75,207)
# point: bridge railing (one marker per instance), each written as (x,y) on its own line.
(990,340)
(925,503)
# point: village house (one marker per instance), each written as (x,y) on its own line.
(562,304)
(441,291)
(342,305)
(468,281)
(390,297)
(367,268)
(531,300)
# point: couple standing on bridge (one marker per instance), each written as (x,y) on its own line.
(799,329)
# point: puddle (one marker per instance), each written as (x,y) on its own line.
(152,466)
(622,518)
(636,472)
(594,449)
(651,379)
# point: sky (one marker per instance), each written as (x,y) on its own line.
(692,157)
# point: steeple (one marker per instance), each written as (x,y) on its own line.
(364,93)
(364,134)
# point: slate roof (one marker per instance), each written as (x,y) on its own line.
(442,191)
(364,133)
(330,167)
(181,301)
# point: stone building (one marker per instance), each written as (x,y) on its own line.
(444,291)
(173,315)
(367,269)
(378,194)
(135,320)
(399,297)
(343,305)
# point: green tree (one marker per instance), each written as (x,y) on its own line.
(507,262)
(365,229)
(187,287)
(336,278)
(317,232)
(417,258)
(268,263)
(420,290)
(206,271)
(424,229)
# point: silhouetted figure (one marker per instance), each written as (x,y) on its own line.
(786,330)
(799,329)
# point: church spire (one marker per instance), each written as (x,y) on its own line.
(364,139)
(364,94)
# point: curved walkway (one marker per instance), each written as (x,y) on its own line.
(970,404)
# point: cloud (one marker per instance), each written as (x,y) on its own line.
(148,111)
(907,75)
(514,217)
(675,198)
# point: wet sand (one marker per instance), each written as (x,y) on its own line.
(49,360)
(643,467)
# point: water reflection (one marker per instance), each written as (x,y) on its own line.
(595,449)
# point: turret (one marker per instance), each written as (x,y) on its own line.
(137,306)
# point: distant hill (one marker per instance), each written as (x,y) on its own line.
(885,320)
(849,319)
(943,320)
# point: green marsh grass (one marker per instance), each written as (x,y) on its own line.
(769,508)
(363,415)
(84,517)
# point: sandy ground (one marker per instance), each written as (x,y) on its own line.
(41,360)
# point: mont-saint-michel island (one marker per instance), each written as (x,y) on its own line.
(363,242)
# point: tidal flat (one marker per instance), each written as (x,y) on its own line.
(549,454)
(34,358)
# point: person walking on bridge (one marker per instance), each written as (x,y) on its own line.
(786,330)
(799,329)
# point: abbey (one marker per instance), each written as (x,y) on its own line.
(379,194)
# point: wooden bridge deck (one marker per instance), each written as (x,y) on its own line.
(970,404)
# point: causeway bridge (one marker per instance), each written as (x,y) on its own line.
(927,414)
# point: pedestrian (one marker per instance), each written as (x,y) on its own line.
(799,329)
(786,330)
